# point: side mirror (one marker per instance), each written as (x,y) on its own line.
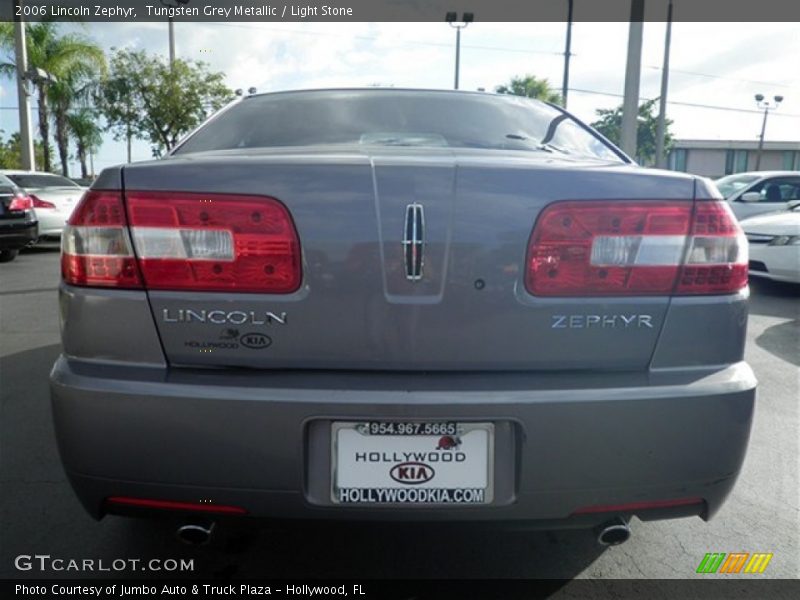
(750,197)
(793,204)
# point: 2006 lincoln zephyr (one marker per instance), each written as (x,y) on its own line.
(403,305)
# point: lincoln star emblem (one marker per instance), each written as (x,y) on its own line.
(414,241)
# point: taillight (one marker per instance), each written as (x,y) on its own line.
(182,241)
(21,203)
(214,242)
(95,247)
(30,201)
(603,248)
(39,203)
(716,260)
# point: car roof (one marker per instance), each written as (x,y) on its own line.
(23,172)
(763,174)
(382,89)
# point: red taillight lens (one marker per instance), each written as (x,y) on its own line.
(716,261)
(30,201)
(182,241)
(213,242)
(21,203)
(602,248)
(95,247)
(39,203)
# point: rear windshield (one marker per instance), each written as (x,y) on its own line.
(36,180)
(397,118)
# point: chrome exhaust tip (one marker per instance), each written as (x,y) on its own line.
(195,534)
(613,532)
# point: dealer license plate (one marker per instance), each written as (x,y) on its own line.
(428,462)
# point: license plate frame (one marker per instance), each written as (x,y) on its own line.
(475,439)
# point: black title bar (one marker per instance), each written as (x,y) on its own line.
(395,10)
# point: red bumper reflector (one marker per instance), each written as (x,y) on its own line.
(173,505)
(634,506)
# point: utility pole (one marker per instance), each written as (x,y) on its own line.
(171,42)
(661,162)
(567,54)
(26,139)
(466,19)
(630,104)
(128,137)
(766,105)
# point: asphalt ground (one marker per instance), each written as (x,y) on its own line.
(40,515)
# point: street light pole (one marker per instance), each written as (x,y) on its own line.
(466,19)
(458,55)
(662,101)
(766,105)
(567,54)
(27,155)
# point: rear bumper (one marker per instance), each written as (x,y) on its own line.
(17,235)
(779,263)
(259,440)
(51,222)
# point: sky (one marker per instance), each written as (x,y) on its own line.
(716,65)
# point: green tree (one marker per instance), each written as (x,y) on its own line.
(11,152)
(56,53)
(115,101)
(530,86)
(82,124)
(145,96)
(610,125)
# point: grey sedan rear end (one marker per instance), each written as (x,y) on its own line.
(398,305)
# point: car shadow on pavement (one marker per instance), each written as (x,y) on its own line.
(251,549)
(783,341)
(782,300)
(774,298)
(41,515)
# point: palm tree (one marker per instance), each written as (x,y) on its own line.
(74,89)
(83,126)
(58,55)
(530,86)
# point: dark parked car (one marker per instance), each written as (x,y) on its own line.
(403,305)
(18,225)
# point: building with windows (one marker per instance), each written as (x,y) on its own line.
(715,158)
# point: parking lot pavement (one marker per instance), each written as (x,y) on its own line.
(40,515)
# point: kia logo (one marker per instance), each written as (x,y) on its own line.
(256,341)
(412,473)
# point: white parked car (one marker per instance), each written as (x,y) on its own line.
(52,198)
(760,192)
(774,241)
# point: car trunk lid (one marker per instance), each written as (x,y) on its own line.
(359,308)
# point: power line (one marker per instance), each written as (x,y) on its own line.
(395,44)
(496,49)
(736,79)
(691,104)
(615,95)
